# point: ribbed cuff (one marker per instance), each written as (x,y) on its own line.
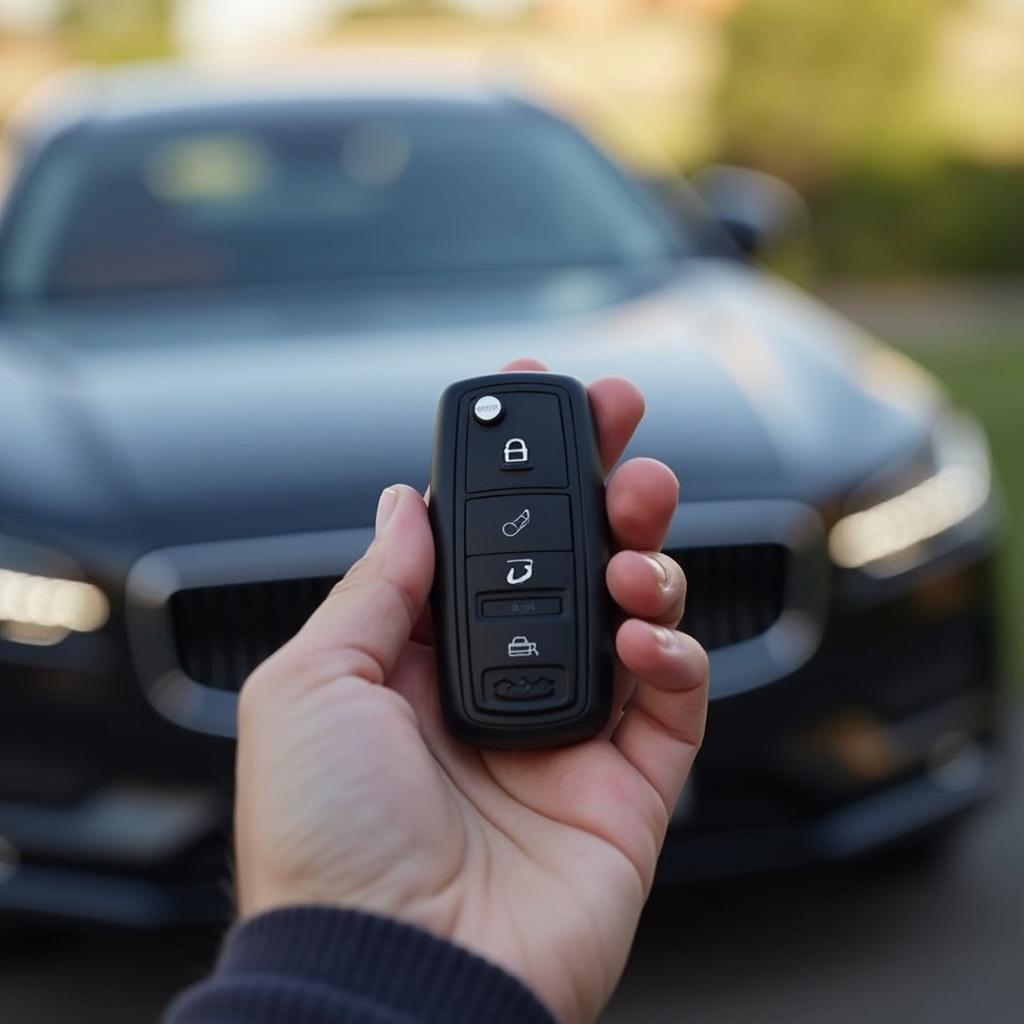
(376,962)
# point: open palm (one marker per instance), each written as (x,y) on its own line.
(351,792)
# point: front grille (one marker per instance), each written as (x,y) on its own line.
(734,592)
(223,632)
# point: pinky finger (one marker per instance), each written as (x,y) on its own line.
(663,724)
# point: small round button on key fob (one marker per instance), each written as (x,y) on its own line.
(520,608)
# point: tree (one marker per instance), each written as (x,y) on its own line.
(111,30)
(812,84)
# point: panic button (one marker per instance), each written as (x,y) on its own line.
(525,449)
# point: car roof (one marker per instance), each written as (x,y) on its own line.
(157,91)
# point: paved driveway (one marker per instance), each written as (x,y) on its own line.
(943,944)
(840,946)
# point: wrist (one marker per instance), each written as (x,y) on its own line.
(380,960)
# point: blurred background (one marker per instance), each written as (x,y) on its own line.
(901,127)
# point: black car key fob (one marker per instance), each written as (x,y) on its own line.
(520,607)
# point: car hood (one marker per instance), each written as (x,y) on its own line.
(164,422)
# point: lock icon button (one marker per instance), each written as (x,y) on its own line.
(525,448)
(516,452)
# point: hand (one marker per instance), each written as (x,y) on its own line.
(351,792)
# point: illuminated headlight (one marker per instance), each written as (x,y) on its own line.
(888,535)
(43,609)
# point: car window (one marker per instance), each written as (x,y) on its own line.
(314,198)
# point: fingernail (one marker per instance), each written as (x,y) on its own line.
(659,569)
(386,506)
(665,637)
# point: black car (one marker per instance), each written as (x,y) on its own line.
(227,310)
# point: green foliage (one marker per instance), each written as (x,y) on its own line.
(812,84)
(401,9)
(833,97)
(108,31)
(943,216)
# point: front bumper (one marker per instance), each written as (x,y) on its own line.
(914,806)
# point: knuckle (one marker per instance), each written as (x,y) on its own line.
(359,576)
(355,659)
(353,577)
(405,598)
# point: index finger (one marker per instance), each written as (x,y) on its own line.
(616,404)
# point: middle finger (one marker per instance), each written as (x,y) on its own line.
(647,585)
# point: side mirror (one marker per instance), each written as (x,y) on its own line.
(758,210)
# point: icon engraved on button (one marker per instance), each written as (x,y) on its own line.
(519,575)
(514,526)
(516,451)
(524,687)
(520,647)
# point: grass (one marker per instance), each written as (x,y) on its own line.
(987,377)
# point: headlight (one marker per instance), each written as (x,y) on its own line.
(44,609)
(888,536)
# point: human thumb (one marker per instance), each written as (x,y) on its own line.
(363,624)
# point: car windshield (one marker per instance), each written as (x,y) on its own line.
(314,196)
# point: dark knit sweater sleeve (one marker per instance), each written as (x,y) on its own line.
(322,965)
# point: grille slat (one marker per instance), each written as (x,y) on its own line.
(734,592)
(223,632)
